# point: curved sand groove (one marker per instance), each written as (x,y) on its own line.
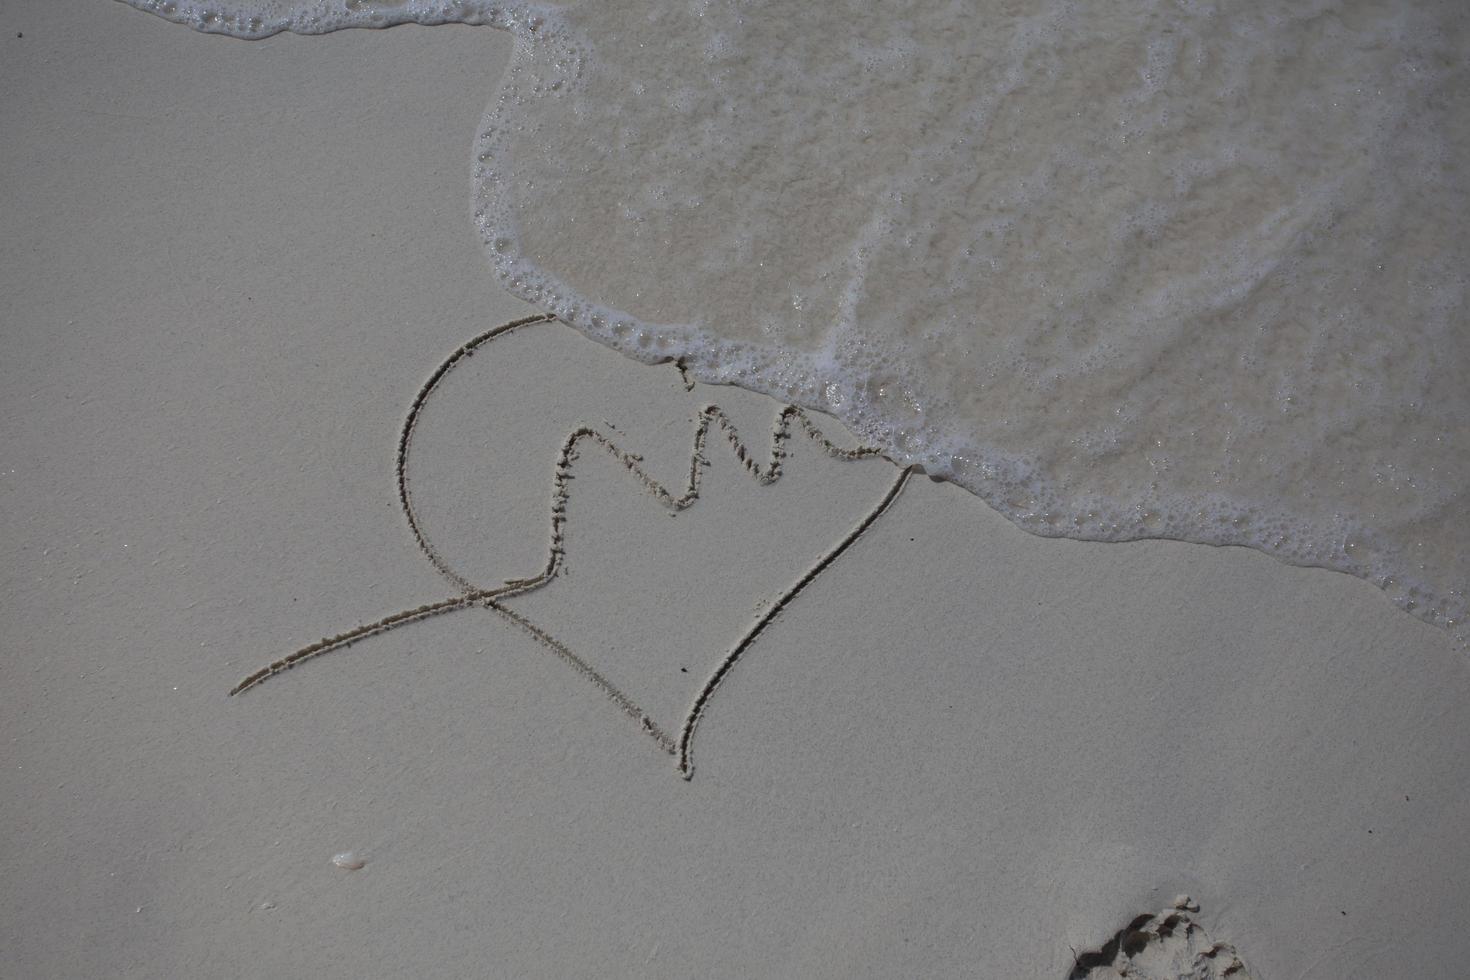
(492,598)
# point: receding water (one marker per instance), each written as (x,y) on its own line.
(1163,269)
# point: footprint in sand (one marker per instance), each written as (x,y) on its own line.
(1168,946)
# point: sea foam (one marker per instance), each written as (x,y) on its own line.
(1184,269)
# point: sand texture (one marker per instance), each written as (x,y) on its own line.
(955,749)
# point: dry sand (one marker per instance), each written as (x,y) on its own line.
(961,751)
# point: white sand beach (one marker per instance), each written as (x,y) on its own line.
(960,751)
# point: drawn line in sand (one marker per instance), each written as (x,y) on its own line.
(493,598)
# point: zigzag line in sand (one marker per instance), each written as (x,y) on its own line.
(492,598)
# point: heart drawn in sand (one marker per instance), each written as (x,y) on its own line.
(676,741)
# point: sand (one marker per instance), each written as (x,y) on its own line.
(959,751)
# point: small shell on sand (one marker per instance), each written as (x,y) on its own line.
(348,861)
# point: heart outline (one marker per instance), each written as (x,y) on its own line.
(493,598)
